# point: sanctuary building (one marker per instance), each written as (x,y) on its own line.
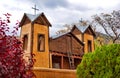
(63,51)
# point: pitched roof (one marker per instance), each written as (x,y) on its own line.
(63,34)
(82,28)
(32,18)
(57,36)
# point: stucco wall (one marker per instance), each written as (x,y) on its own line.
(42,58)
(26,30)
(86,38)
(54,73)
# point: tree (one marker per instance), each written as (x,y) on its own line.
(12,64)
(110,23)
(104,62)
(68,27)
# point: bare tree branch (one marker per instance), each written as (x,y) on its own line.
(110,23)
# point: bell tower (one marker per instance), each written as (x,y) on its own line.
(35,35)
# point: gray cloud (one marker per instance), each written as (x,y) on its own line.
(52,4)
(80,7)
(58,12)
(56,3)
(12,8)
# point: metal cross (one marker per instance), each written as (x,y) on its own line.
(81,20)
(35,9)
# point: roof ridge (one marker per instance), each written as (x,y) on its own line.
(59,35)
(32,17)
(82,28)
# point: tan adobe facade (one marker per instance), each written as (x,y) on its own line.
(86,35)
(63,51)
(35,26)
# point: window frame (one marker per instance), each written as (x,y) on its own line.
(89,45)
(24,42)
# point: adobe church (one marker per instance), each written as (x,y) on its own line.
(63,51)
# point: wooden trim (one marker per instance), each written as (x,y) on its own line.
(32,36)
(49,24)
(43,20)
(65,55)
(89,42)
(83,42)
(27,41)
(62,62)
(49,47)
(23,20)
(77,39)
(68,33)
(71,44)
(91,31)
(76,28)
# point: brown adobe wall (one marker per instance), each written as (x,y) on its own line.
(86,38)
(54,73)
(26,30)
(42,58)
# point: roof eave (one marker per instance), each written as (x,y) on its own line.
(23,19)
(60,36)
(49,24)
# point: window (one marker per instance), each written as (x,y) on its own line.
(56,65)
(25,42)
(89,46)
(56,62)
(41,42)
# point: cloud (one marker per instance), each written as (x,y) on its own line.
(12,8)
(82,8)
(59,12)
(55,3)
(49,4)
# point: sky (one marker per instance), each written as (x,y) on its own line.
(58,12)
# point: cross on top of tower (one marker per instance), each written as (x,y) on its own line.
(35,9)
(81,20)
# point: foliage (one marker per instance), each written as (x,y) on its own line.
(110,23)
(103,63)
(12,64)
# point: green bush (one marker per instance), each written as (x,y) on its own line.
(104,62)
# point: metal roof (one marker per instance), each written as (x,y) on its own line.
(82,28)
(32,17)
(56,36)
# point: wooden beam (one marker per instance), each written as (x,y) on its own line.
(58,54)
(64,55)
(43,20)
(62,62)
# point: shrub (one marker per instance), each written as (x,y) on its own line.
(12,64)
(104,62)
